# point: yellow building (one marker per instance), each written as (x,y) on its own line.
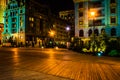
(2,8)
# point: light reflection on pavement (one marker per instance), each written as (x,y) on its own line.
(55,64)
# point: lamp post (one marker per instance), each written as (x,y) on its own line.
(52,37)
(68,34)
(92,14)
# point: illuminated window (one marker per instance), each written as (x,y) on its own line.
(32,19)
(21,23)
(113,20)
(31,24)
(81,22)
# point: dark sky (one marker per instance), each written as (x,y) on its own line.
(58,5)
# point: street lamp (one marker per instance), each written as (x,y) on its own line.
(92,14)
(52,33)
(52,38)
(68,34)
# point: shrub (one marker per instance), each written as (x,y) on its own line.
(114,53)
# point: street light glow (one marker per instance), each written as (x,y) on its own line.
(67,28)
(52,33)
(92,14)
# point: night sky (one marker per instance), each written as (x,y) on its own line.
(58,5)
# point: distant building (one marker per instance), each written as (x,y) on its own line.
(107,18)
(69,16)
(62,35)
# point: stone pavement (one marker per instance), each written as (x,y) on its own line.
(28,75)
(50,64)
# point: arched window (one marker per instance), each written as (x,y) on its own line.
(96,32)
(89,32)
(81,33)
(113,32)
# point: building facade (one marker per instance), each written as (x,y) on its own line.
(2,8)
(27,22)
(107,18)
(68,15)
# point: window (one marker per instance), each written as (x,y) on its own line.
(10,13)
(80,14)
(81,5)
(31,24)
(21,23)
(6,14)
(89,32)
(81,33)
(32,19)
(102,31)
(6,30)
(113,32)
(6,20)
(21,29)
(20,18)
(13,19)
(96,32)
(113,20)
(13,25)
(20,11)
(113,10)
(13,31)
(80,22)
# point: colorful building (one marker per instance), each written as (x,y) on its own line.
(106,18)
(2,8)
(27,22)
